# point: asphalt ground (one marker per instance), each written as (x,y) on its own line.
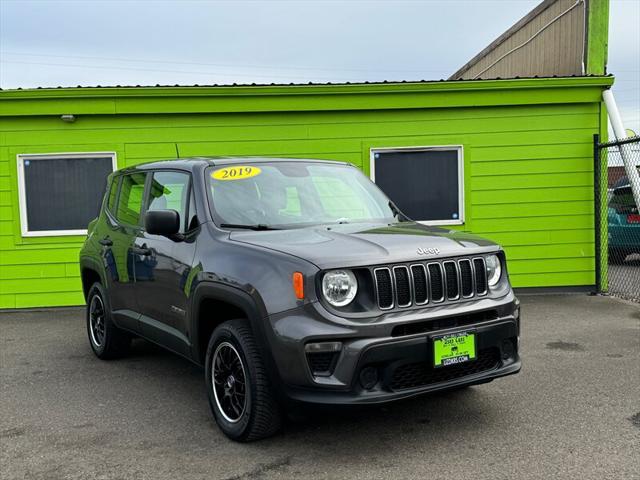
(573,411)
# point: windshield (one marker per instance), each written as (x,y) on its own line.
(281,194)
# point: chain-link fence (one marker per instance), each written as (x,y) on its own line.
(620,220)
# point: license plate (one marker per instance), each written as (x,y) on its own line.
(454,348)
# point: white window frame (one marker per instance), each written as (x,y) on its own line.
(448,148)
(22,195)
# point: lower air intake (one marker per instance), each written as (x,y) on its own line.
(414,375)
(322,363)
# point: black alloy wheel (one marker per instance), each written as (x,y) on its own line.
(241,394)
(229,382)
(96,321)
(107,341)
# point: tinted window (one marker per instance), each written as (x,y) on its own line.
(113,194)
(130,198)
(425,184)
(63,193)
(622,200)
(170,191)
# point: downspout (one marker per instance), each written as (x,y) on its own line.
(620,134)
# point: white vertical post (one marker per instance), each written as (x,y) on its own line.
(620,134)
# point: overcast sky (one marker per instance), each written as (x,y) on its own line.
(69,43)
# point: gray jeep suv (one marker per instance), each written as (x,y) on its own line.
(292,281)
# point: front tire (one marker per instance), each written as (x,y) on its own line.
(240,395)
(107,341)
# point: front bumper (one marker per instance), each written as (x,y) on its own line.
(397,346)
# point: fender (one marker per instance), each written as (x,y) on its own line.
(252,305)
(88,262)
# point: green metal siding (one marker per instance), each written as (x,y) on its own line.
(527,157)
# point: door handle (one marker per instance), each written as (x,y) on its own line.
(106,241)
(144,251)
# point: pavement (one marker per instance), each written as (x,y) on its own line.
(573,411)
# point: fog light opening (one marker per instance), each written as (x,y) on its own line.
(368,377)
(507,349)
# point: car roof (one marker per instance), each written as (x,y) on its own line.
(193,162)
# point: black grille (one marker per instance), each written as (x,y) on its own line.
(322,363)
(403,287)
(384,287)
(437,288)
(419,284)
(481,276)
(451,275)
(415,375)
(466,278)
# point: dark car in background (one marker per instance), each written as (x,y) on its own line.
(293,281)
(623,222)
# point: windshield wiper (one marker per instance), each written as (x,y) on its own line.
(257,226)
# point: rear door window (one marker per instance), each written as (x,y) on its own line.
(130,198)
(113,194)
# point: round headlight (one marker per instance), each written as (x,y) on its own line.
(339,287)
(494,269)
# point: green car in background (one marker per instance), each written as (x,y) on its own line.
(624,223)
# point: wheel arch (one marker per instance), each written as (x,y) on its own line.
(90,273)
(214,303)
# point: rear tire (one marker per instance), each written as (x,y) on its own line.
(240,395)
(107,341)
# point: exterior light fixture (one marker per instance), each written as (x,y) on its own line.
(68,118)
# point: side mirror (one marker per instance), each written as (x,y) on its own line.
(162,222)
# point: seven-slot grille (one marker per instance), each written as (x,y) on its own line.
(432,282)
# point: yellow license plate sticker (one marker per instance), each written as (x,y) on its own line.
(237,172)
(454,348)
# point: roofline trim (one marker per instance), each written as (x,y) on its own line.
(311,98)
(305,89)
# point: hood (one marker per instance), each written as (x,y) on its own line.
(352,245)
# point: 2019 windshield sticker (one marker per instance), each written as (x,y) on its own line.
(238,172)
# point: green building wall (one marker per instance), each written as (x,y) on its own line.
(528,156)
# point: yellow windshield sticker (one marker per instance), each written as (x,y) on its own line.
(238,172)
